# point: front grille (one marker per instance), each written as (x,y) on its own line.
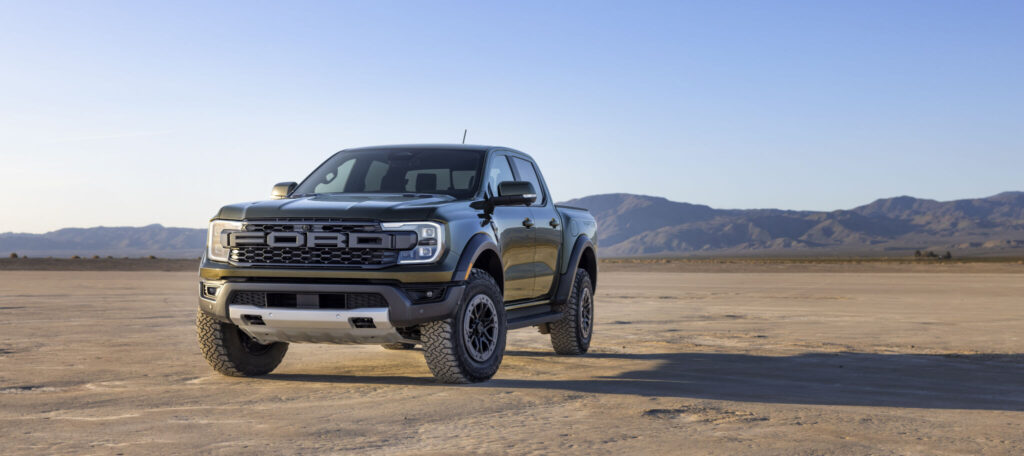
(314,301)
(249,298)
(354,254)
(363,300)
(313,256)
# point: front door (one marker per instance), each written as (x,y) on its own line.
(547,229)
(514,236)
(517,250)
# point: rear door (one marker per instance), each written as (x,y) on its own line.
(515,239)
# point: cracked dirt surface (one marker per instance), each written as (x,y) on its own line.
(682,363)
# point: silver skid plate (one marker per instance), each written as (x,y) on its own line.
(314,325)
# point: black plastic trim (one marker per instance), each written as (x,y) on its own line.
(476,245)
(566,280)
(532,320)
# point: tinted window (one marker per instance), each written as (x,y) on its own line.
(527,173)
(436,171)
(499,172)
(439,180)
(374,180)
(335,179)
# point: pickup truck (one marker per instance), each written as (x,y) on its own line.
(443,246)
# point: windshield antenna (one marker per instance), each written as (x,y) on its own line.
(464,131)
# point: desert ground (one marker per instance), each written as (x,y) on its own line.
(691,359)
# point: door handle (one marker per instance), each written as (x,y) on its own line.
(553,223)
(527,222)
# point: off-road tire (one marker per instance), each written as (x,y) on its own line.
(232,352)
(571,334)
(398,346)
(445,347)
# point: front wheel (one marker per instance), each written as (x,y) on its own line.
(232,352)
(571,334)
(469,347)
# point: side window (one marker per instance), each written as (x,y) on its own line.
(527,173)
(499,172)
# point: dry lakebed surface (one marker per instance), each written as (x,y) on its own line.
(818,359)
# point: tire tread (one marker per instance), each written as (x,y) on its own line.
(439,348)
(215,348)
(564,337)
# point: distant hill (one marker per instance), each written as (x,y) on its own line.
(636,225)
(631,225)
(108,241)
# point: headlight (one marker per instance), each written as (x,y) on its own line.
(430,242)
(215,250)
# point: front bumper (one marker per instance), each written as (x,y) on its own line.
(368,325)
(317,326)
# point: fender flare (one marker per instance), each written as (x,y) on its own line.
(565,281)
(476,246)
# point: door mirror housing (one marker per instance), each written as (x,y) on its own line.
(512,193)
(282,190)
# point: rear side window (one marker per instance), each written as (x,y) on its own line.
(528,173)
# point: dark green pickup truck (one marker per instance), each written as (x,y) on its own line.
(444,246)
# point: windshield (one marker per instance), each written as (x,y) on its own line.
(434,171)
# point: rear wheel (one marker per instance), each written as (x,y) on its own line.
(232,352)
(571,334)
(469,347)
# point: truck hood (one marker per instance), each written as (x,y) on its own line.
(389,207)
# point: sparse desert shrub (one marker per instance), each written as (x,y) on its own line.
(152,257)
(76,257)
(14,255)
(95,257)
(947,256)
(110,257)
(917,254)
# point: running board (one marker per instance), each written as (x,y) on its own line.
(532,320)
(523,305)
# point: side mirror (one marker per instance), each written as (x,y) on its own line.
(282,190)
(511,193)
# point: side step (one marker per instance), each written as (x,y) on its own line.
(532,320)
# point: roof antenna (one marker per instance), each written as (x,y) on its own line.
(464,135)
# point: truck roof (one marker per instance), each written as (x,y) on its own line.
(482,148)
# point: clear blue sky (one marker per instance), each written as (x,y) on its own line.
(130,113)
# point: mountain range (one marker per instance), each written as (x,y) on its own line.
(638,225)
(119,241)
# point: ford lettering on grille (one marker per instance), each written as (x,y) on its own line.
(298,244)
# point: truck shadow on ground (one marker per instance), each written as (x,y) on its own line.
(953,381)
(944,381)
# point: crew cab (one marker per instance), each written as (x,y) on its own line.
(442,246)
